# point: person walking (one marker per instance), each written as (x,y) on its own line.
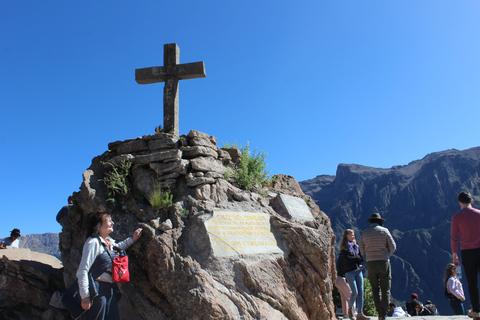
(454,290)
(466,226)
(378,245)
(349,260)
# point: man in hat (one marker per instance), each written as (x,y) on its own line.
(378,245)
(466,225)
(12,241)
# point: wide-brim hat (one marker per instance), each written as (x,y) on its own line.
(375,217)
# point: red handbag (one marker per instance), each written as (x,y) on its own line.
(120,271)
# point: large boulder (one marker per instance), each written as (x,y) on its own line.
(176,270)
(28,280)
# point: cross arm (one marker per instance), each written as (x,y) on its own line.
(150,75)
(180,72)
(190,70)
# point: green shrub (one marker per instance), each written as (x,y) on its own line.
(250,171)
(160,199)
(116,180)
(184,213)
(368,303)
(336,297)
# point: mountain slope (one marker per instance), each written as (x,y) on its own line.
(44,243)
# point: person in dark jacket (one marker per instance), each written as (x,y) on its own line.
(350,258)
(422,311)
(433,308)
(412,304)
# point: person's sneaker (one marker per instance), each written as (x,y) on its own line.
(473,314)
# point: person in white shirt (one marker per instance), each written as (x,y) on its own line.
(104,305)
(454,287)
(12,241)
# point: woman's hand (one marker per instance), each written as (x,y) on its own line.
(86,303)
(136,234)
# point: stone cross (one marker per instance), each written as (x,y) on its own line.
(170,73)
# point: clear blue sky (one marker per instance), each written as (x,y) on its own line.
(313,83)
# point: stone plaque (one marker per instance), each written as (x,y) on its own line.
(236,233)
(296,207)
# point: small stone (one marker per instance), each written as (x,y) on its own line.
(166,225)
(207,164)
(235,154)
(158,156)
(198,151)
(132,146)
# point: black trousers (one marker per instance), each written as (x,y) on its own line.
(471,264)
(104,306)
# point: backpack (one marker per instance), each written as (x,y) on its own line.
(450,296)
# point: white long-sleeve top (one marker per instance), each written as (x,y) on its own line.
(91,250)
(454,286)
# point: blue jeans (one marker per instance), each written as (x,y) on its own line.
(457,307)
(104,306)
(355,281)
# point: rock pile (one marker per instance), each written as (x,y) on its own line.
(27,282)
(176,273)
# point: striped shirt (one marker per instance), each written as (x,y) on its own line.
(377,243)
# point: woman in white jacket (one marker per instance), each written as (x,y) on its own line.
(454,287)
(104,305)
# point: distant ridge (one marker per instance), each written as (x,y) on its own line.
(417,200)
(44,243)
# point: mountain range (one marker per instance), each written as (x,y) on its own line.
(43,243)
(417,200)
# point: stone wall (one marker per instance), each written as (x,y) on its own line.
(175,272)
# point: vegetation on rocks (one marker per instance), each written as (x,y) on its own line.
(160,198)
(116,180)
(250,171)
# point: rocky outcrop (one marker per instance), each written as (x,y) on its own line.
(176,272)
(417,200)
(27,282)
